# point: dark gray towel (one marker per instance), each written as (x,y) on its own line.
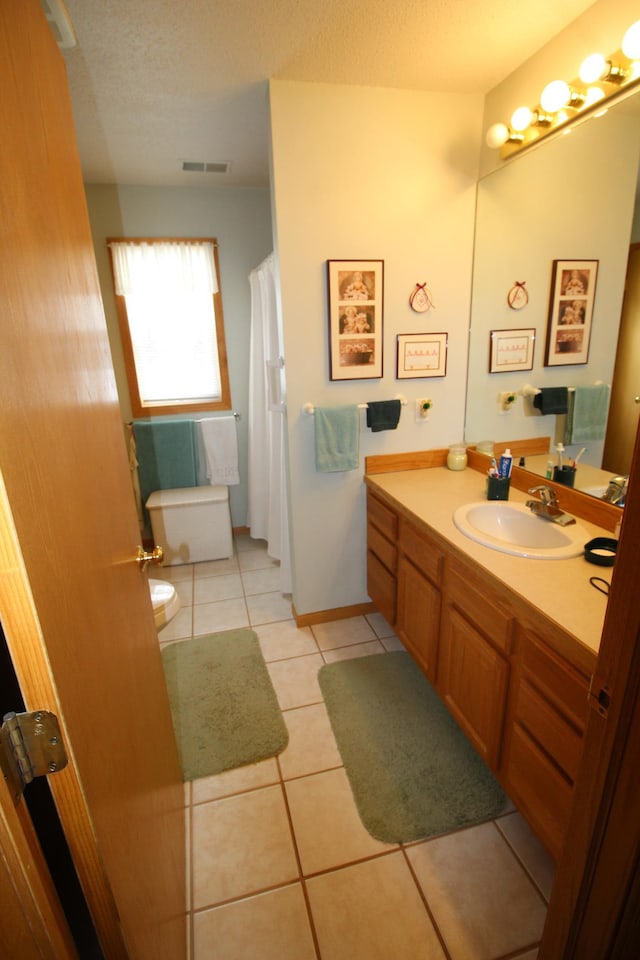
(383,414)
(551,400)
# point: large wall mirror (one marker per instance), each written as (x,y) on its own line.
(571,198)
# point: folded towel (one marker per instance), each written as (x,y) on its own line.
(336,438)
(383,414)
(587,413)
(165,451)
(217,446)
(551,400)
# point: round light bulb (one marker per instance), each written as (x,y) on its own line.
(555,96)
(631,42)
(593,68)
(521,118)
(497,135)
(593,95)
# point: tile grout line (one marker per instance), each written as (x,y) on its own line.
(301,877)
(423,897)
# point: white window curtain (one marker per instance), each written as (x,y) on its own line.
(171,267)
(169,288)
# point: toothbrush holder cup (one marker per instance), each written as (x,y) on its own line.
(565,475)
(498,488)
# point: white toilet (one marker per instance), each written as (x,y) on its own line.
(165,602)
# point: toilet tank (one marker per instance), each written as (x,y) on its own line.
(191,524)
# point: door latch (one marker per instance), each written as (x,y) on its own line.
(31,746)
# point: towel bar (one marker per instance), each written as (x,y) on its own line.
(310,409)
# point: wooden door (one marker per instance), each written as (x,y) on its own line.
(624,408)
(74,606)
(593,911)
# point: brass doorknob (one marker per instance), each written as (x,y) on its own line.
(143,559)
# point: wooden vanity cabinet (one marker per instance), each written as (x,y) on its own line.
(544,741)
(382,556)
(494,662)
(420,567)
(474,666)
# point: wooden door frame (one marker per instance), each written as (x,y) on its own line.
(30,911)
(25,642)
(591,912)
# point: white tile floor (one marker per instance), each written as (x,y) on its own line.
(279,865)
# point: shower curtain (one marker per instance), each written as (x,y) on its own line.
(267,509)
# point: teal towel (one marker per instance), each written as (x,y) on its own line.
(166,455)
(587,413)
(383,414)
(336,436)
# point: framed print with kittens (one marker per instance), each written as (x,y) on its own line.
(355,298)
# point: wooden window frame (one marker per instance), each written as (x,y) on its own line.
(138,408)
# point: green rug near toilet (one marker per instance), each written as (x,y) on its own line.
(412,771)
(224,708)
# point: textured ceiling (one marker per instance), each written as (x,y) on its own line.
(156,82)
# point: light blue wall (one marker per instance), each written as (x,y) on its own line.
(240,219)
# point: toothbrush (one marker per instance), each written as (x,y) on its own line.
(560,449)
(575,462)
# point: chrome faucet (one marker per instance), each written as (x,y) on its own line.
(547,506)
(616,492)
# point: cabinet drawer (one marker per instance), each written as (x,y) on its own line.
(483,612)
(384,550)
(540,790)
(558,738)
(382,517)
(421,550)
(556,679)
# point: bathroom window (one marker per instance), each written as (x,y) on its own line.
(171,322)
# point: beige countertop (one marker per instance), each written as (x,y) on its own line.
(559,589)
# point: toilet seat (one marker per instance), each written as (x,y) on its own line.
(165,602)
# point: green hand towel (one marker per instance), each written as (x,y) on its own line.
(336,438)
(587,413)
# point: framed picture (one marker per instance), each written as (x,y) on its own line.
(573,287)
(511,350)
(421,355)
(355,318)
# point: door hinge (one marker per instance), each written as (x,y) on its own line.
(31,746)
(599,696)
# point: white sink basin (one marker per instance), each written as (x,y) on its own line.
(513,528)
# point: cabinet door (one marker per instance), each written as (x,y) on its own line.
(473,680)
(381,587)
(418,616)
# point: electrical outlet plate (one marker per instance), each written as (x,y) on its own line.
(423,409)
(506,401)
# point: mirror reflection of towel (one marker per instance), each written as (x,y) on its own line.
(587,413)
(383,414)
(336,438)
(552,400)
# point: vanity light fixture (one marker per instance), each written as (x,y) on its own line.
(500,133)
(557,95)
(600,79)
(523,117)
(597,68)
(631,42)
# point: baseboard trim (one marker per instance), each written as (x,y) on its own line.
(338,613)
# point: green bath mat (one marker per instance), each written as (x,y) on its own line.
(224,708)
(412,771)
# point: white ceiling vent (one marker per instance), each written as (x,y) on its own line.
(205,166)
(60,23)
